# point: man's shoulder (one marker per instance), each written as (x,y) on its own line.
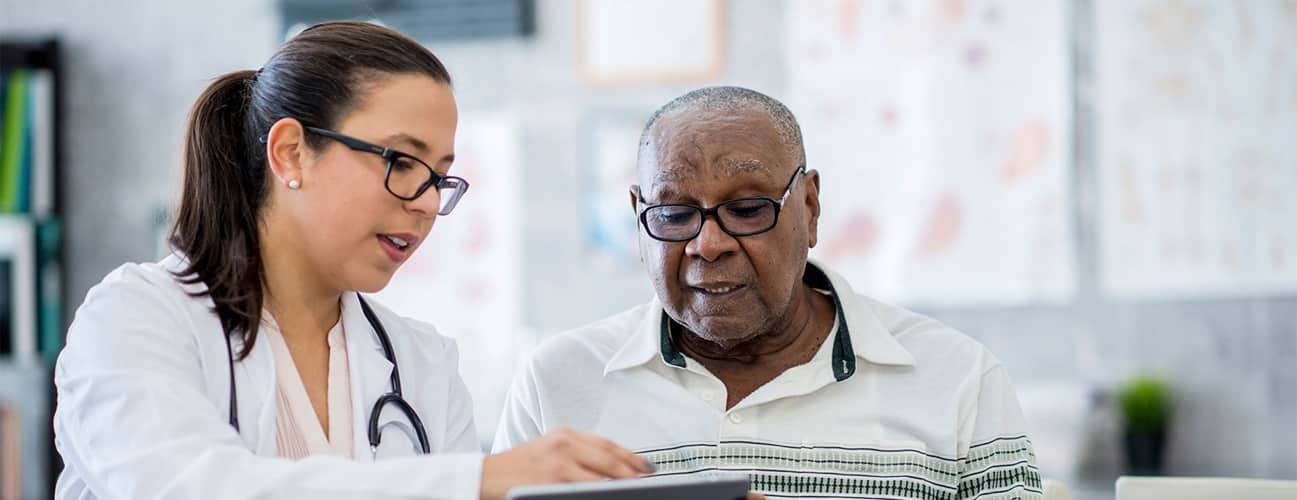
(591,344)
(930,341)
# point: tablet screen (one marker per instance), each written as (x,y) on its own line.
(702,487)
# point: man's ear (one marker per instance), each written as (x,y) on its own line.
(286,151)
(813,206)
(639,236)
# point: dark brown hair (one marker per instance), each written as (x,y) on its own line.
(317,78)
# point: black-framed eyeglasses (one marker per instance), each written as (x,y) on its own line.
(407,176)
(676,222)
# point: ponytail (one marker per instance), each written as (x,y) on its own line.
(224,185)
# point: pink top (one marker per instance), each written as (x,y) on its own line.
(298,431)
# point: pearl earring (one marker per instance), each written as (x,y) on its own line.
(294,184)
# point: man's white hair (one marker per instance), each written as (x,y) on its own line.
(729,100)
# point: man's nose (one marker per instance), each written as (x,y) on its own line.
(712,242)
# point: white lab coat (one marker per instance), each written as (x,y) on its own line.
(143,404)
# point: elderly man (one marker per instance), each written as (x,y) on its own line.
(752,358)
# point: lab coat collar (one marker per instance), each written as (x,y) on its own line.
(371,371)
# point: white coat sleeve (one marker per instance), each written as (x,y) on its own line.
(133,421)
(521,420)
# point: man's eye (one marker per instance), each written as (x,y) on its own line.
(673,215)
(747,210)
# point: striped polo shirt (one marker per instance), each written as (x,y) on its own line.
(892,405)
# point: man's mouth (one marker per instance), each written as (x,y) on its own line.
(718,289)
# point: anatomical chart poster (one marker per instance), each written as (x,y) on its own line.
(942,134)
(1197,106)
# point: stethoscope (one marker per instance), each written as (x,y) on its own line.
(393,397)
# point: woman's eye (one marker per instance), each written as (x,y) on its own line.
(403,164)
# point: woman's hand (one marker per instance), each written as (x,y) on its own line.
(562,456)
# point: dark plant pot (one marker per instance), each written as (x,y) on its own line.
(1144,452)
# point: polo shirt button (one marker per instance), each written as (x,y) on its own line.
(707,395)
(736,418)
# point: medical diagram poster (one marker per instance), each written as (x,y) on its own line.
(1197,106)
(942,132)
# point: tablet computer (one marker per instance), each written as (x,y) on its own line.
(702,487)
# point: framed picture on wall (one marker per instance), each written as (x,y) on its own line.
(18,283)
(658,42)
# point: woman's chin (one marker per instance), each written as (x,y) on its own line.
(373,281)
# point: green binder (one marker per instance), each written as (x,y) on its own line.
(14,150)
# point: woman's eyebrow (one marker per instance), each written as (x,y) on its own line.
(419,146)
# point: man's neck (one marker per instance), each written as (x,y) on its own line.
(747,366)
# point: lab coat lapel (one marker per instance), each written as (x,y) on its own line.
(256,382)
(370,370)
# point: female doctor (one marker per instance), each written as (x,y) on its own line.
(248,364)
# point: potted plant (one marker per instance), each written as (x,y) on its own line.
(1145,404)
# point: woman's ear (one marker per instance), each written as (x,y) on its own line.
(286,152)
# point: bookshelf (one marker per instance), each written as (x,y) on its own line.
(32,316)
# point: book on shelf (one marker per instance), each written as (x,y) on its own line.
(11,463)
(41,112)
(17,253)
(27,141)
(49,295)
(6,308)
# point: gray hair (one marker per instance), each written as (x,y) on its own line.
(731,99)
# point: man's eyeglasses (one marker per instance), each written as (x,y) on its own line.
(407,177)
(675,222)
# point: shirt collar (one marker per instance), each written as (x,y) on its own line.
(860,333)
(870,340)
(645,343)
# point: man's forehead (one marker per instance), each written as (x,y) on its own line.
(677,171)
(687,181)
(687,144)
